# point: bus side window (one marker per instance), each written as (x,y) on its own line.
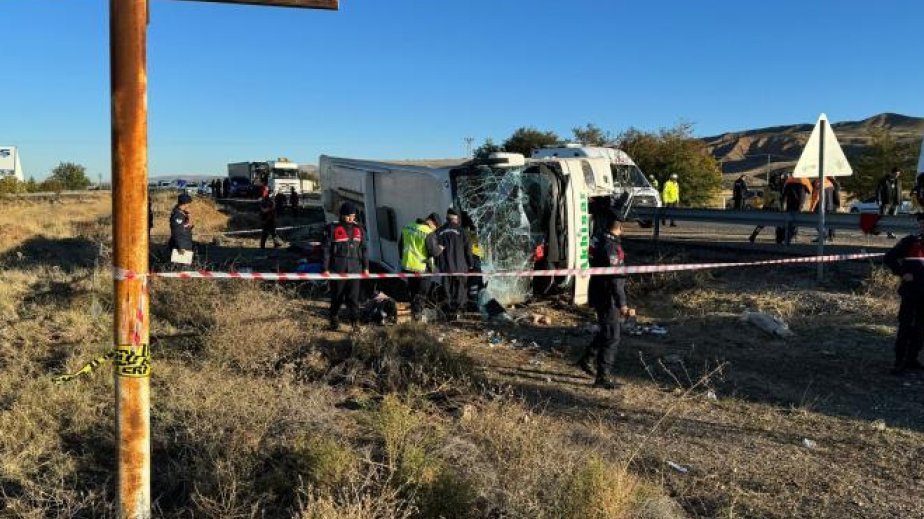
(589,179)
(387,223)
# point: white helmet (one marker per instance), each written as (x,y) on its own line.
(674,176)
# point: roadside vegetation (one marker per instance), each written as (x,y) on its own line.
(259,412)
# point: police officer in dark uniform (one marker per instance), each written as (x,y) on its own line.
(345,253)
(607,295)
(181,225)
(456,257)
(906,259)
(268,210)
(293,202)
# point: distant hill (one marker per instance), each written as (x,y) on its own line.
(745,152)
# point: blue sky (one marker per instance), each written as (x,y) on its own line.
(413,78)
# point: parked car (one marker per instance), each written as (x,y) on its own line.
(870,205)
(204,189)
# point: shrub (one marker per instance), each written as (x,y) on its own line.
(599,490)
(406,356)
(329,463)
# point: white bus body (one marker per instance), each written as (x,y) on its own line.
(542,202)
(629,178)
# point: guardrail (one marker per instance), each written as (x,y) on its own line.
(52,194)
(904,224)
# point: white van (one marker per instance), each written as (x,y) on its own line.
(628,177)
(527,215)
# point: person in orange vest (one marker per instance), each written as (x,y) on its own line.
(831,202)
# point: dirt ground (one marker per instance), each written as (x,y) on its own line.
(807,426)
(722,418)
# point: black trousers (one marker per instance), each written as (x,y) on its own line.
(345,292)
(269,229)
(457,293)
(664,220)
(606,341)
(910,337)
(418,291)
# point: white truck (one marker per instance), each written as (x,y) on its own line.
(526,215)
(628,178)
(10,165)
(248,178)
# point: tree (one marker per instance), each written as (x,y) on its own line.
(675,150)
(487,147)
(877,159)
(9,185)
(592,135)
(70,176)
(309,175)
(527,139)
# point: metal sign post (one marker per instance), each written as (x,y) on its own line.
(128,20)
(812,165)
(821,199)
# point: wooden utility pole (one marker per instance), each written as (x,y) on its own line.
(128,21)
(128,61)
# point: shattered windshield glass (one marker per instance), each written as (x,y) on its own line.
(497,200)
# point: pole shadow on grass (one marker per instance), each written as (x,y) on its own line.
(66,254)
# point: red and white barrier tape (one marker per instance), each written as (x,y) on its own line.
(254,231)
(244,231)
(600,271)
(139,313)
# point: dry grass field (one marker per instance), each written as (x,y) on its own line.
(259,412)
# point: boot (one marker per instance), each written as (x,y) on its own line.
(334,325)
(585,366)
(605,382)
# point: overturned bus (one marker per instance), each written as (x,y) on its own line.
(525,215)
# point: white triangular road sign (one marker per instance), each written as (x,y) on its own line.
(836,164)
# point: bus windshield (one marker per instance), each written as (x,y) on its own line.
(285,173)
(625,175)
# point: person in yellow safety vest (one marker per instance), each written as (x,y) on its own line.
(670,196)
(418,246)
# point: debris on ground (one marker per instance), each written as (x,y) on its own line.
(679,468)
(381,310)
(540,319)
(712,396)
(809,444)
(767,323)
